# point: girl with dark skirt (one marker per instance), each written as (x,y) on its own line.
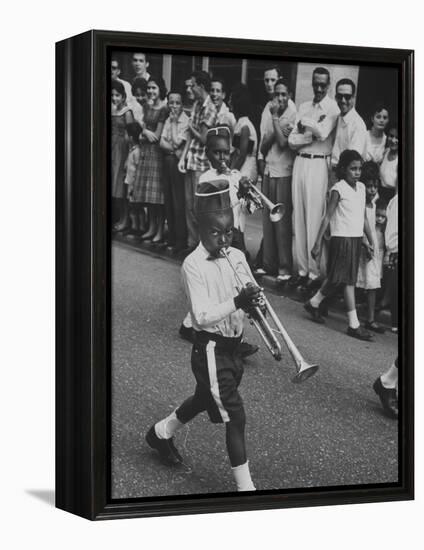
(148,185)
(122,115)
(348,223)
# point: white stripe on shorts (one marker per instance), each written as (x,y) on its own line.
(213,379)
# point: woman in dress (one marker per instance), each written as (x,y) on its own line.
(148,186)
(121,116)
(376,137)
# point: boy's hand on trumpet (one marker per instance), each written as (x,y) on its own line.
(248,297)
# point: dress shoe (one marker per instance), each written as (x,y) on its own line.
(375,327)
(360,333)
(187,333)
(245,349)
(314,313)
(387,397)
(165,448)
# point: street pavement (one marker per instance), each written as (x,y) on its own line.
(328,431)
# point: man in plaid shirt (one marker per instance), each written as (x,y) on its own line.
(194,161)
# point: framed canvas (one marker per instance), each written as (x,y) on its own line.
(149,424)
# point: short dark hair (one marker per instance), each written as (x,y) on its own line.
(378,107)
(346,82)
(273,68)
(241,101)
(177,92)
(346,157)
(202,78)
(221,81)
(321,70)
(370,171)
(118,87)
(160,83)
(283,82)
(133,130)
(139,84)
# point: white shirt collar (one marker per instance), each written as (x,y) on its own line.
(349,116)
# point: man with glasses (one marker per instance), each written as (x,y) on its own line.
(312,139)
(351,132)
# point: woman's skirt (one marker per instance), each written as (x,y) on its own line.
(148,185)
(343,260)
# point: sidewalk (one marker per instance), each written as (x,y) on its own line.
(269,283)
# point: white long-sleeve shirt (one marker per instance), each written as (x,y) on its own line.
(211,286)
(351,133)
(320,120)
(391,233)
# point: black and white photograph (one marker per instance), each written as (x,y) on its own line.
(254,257)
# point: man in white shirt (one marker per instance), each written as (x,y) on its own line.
(140,65)
(351,132)
(312,138)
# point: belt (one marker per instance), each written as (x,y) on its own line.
(223,342)
(309,156)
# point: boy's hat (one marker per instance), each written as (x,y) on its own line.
(221,131)
(212,196)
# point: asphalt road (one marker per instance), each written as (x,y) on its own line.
(328,431)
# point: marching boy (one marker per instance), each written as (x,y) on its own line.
(217,308)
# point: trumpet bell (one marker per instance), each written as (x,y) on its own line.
(277,213)
(305,372)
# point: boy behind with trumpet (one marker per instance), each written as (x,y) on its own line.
(217,307)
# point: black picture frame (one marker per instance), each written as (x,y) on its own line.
(83,278)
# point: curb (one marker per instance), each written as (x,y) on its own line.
(336,308)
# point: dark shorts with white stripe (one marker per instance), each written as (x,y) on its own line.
(218,370)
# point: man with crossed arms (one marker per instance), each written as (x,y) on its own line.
(312,139)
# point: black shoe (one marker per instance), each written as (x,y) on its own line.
(360,333)
(375,327)
(387,397)
(300,280)
(187,333)
(165,447)
(244,349)
(314,313)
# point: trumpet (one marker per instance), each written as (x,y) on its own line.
(268,334)
(276,211)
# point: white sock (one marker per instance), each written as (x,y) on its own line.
(390,378)
(166,428)
(187,321)
(353,319)
(317,299)
(242,477)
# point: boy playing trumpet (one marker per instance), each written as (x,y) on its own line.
(217,308)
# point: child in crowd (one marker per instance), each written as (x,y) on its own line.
(139,91)
(346,217)
(389,166)
(391,260)
(136,210)
(217,307)
(173,139)
(277,184)
(122,115)
(376,138)
(148,186)
(245,139)
(369,273)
